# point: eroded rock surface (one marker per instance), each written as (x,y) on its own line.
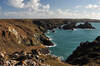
(87,54)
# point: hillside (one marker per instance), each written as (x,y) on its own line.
(23,43)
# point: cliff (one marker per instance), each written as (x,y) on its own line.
(87,54)
(22,42)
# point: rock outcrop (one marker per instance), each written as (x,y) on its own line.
(69,26)
(46,42)
(23,59)
(86,25)
(88,53)
(46,25)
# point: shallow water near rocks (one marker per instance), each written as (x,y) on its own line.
(68,40)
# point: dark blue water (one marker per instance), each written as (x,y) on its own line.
(68,40)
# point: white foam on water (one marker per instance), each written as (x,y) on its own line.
(50,39)
(88,29)
(75,29)
(48,32)
(52,46)
(61,57)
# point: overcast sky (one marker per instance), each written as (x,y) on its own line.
(50,9)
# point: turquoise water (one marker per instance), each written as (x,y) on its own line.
(67,40)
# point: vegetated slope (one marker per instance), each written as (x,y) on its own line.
(22,42)
(17,35)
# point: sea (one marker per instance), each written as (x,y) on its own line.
(66,41)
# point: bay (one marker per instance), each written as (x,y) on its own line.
(68,40)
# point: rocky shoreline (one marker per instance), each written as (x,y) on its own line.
(88,53)
(24,42)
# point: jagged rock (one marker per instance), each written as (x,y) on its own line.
(34,52)
(21,59)
(86,25)
(85,53)
(98,39)
(44,51)
(69,26)
(46,42)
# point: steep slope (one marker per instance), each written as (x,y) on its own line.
(17,35)
(22,42)
(87,54)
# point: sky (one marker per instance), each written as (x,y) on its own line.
(50,9)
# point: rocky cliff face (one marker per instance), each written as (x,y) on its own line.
(87,54)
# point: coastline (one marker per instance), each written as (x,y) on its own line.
(30,42)
(50,31)
(50,39)
(26,41)
(52,46)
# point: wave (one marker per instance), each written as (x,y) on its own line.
(47,32)
(75,29)
(49,38)
(83,29)
(60,57)
(52,46)
(51,41)
(88,29)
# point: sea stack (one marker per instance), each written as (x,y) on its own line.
(86,25)
(69,26)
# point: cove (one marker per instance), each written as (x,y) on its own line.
(68,40)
